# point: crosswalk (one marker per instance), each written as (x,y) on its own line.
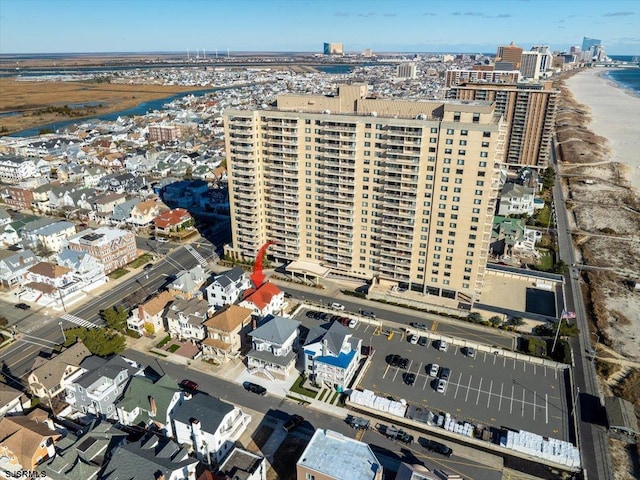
(201,260)
(78,321)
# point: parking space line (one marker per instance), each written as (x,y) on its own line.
(426,380)
(386,370)
(468,388)
(490,393)
(419,369)
(511,406)
(546,408)
(485,357)
(534,405)
(545,370)
(395,374)
(458,386)
(456,350)
(514,363)
(523,399)
(479,390)
(500,403)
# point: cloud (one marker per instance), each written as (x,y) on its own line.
(341,14)
(429,14)
(366,15)
(618,14)
(388,14)
(503,15)
(456,13)
(473,14)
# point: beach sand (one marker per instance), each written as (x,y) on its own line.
(615,115)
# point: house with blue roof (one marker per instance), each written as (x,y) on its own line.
(331,355)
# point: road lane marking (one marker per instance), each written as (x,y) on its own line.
(458,386)
(524,366)
(479,390)
(490,393)
(504,362)
(485,357)
(546,408)
(468,388)
(534,405)
(514,363)
(523,399)
(556,370)
(500,403)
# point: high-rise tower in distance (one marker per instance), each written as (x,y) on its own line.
(402,192)
(333,49)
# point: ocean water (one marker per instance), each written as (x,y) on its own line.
(628,78)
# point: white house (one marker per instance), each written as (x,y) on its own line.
(516,200)
(86,268)
(12,401)
(208,425)
(272,345)
(144,213)
(265,300)
(15,169)
(13,268)
(51,284)
(227,287)
(244,465)
(331,355)
(50,238)
(185,319)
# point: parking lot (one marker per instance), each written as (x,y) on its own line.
(490,388)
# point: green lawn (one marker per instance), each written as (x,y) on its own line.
(164,341)
(174,348)
(141,260)
(298,388)
(116,274)
(546,261)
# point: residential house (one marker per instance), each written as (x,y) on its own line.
(12,401)
(80,456)
(188,282)
(5,218)
(147,317)
(149,458)
(95,391)
(18,197)
(49,238)
(139,164)
(49,377)
(227,287)
(506,235)
(107,202)
(265,300)
(330,455)
(272,348)
(208,425)
(516,200)
(332,355)
(50,283)
(86,269)
(93,175)
(144,212)
(185,319)
(112,247)
(149,402)
(122,212)
(242,464)
(226,333)
(15,169)
(118,183)
(81,199)
(14,268)
(173,222)
(25,441)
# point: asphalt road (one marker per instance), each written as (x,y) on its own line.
(596,457)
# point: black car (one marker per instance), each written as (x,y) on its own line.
(394,360)
(418,326)
(287,295)
(367,313)
(148,266)
(23,306)
(255,388)
(445,373)
(403,363)
(312,314)
(189,385)
(423,341)
(433,446)
(293,422)
(409,378)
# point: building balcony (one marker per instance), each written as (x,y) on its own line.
(328,127)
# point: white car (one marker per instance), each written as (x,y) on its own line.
(353,322)
(442,386)
(442,346)
(413,339)
(434,369)
(337,306)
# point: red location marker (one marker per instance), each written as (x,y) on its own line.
(257,277)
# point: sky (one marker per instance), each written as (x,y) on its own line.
(473,26)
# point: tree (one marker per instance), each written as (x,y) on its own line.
(548,178)
(99,341)
(116,318)
(495,321)
(516,321)
(560,267)
(475,317)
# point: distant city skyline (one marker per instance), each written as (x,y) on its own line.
(57,26)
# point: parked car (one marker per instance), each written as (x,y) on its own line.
(396,434)
(394,360)
(293,422)
(148,266)
(311,314)
(353,323)
(367,313)
(445,373)
(434,368)
(423,341)
(189,385)
(433,446)
(413,339)
(23,306)
(441,386)
(409,378)
(162,239)
(443,346)
(336,306)
(418,326)
(358,423)
(470,352)
(403,363)
(255,388)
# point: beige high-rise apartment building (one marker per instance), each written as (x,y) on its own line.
(529,110)
(457,76)
(510,53)
(400,191)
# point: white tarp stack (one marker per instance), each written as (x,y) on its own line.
(368,399)
(451,425)
(552,449)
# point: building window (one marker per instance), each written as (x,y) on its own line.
(484,154)
(464,132)
(486,134)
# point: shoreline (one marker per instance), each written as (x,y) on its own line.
(615,114)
